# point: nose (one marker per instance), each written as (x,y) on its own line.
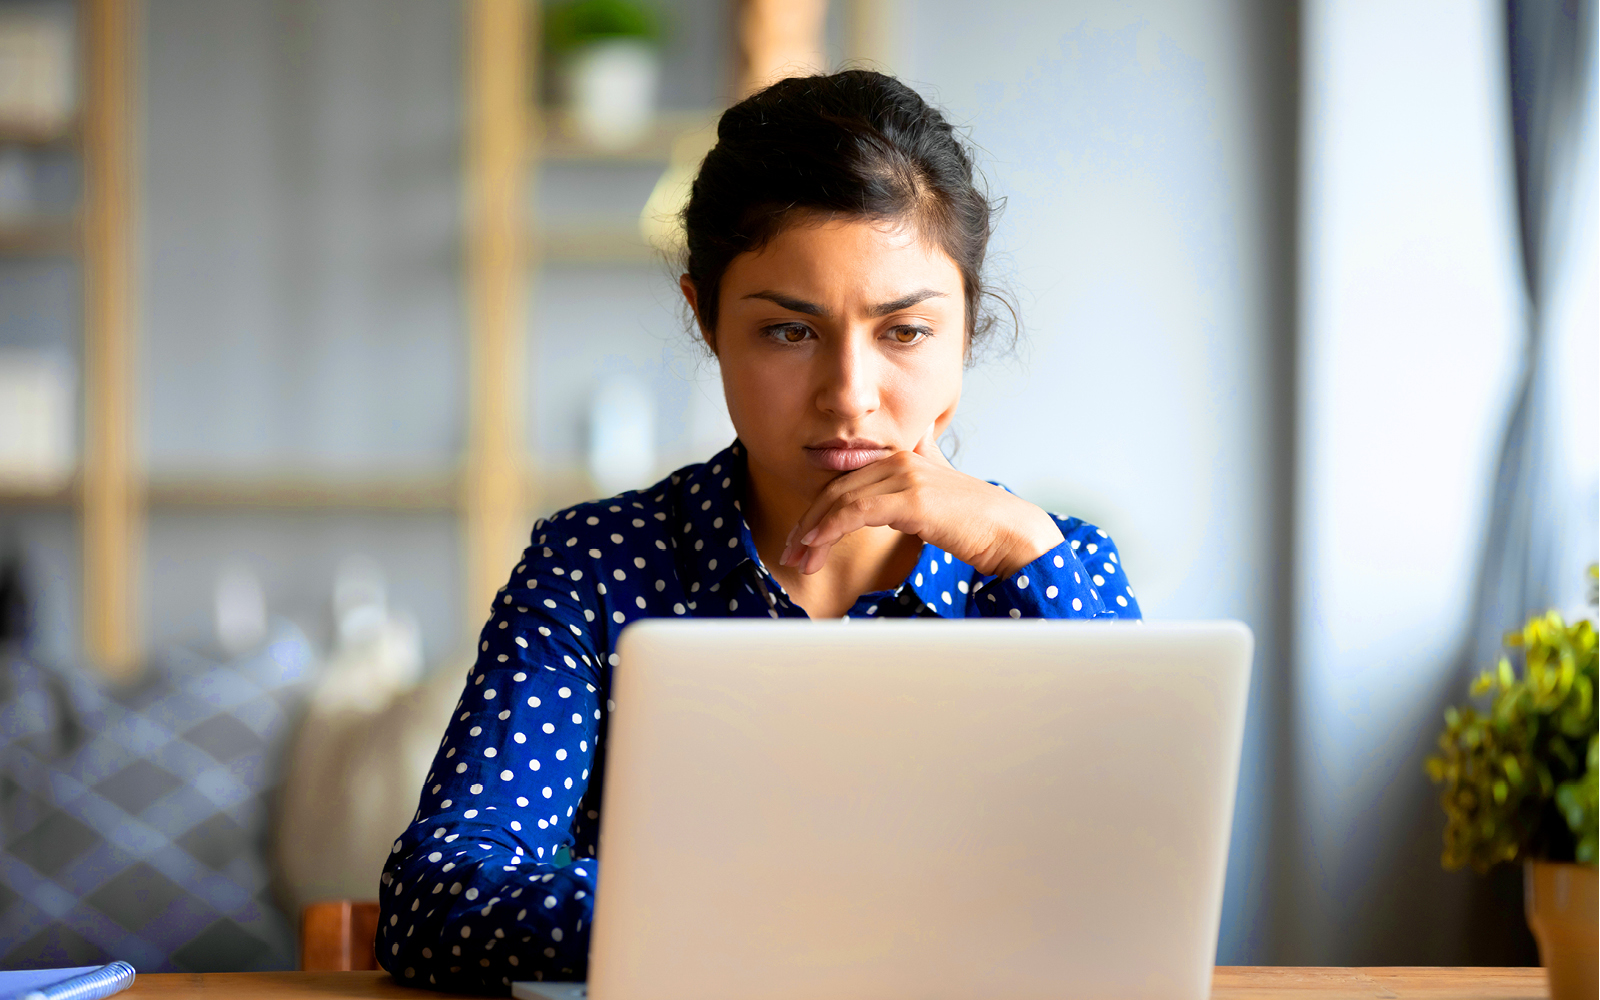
(847,379)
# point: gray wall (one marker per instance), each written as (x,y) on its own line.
(1146,152)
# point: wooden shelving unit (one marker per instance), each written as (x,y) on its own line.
(558,141)
(496,485)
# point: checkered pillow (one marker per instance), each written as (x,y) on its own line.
(133,820)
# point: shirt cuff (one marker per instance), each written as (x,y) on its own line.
(1055,585)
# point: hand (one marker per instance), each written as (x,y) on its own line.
(919,493)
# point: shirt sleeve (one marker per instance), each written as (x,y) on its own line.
(1082,577)
(472,897)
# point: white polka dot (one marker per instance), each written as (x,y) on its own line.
(1051,591)
(1110,568)
(548,727)
(505,775)
(1022,582)
(678,609)
(533,702)
(547,793)
(1122,601)
(619,574)
(490,751)
(618,617)
(1058,562)
(1099,581)
(1015,613)
(549,902)
(1077,605)
(519,737)
(1092,548)
(616,539)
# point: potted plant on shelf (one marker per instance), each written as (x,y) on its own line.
(1520,785)
(606,55)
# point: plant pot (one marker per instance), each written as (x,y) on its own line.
(611,90)
(1561,902)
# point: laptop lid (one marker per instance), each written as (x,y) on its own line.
(917,809)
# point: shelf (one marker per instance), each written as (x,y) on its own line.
(547,490)
(32,492)
(39,238)
(41,136)
(559,140)
(599,245)
(302,492)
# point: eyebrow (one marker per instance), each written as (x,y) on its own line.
(793,304)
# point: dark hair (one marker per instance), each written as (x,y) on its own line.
(855,143)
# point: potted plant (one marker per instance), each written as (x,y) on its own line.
(607,61)
(1520,785)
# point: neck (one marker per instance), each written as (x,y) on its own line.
(865,560)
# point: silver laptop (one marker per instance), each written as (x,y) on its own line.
(918,809)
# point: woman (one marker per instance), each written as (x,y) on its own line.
(835,250)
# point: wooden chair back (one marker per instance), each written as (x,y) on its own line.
(339,936)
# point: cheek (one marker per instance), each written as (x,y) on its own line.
(759,392)
(926,388)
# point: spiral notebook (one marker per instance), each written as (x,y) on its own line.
(89,982)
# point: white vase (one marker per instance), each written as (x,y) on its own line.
(611,91)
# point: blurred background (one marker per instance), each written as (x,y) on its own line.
(309,307)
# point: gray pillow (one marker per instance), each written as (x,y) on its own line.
(133,818)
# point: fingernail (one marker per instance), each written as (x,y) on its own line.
(783,560)
(809,537)
(789,538)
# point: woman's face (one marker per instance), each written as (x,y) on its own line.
(840,342)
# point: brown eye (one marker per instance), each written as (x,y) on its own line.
(908,334)
(794,334)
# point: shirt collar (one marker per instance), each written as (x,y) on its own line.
(715,540)
(713,537)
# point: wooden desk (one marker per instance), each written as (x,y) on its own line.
(1231,983)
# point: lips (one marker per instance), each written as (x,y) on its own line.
(845,455)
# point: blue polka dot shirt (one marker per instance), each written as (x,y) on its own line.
(494,880)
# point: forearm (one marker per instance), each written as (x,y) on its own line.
(487,922)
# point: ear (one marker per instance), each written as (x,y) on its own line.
(691,295)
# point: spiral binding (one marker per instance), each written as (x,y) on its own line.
(102,982)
